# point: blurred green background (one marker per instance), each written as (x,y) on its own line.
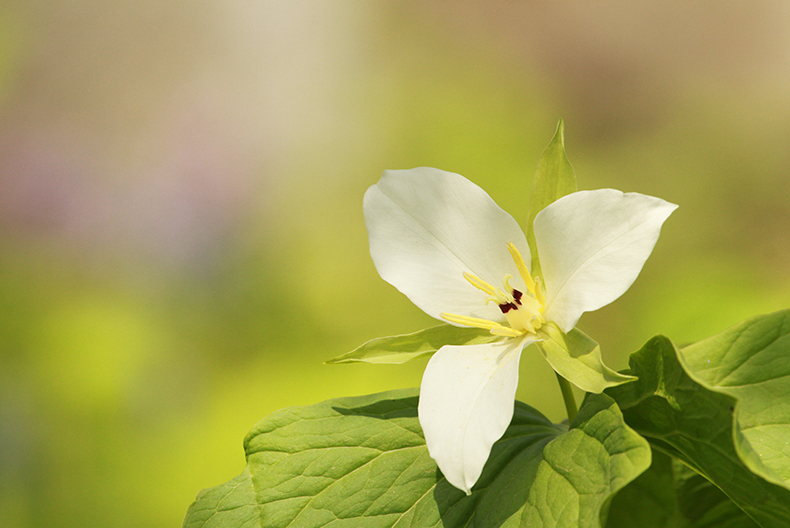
(181,232)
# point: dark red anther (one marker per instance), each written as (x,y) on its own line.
(507,307)
(517,296)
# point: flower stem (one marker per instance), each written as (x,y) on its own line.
(567,395)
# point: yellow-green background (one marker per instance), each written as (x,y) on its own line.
(181,231)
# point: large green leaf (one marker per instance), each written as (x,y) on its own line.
(231,504)
(554,178)
(751,362)
(362,462)
(698,426)
(670,495)
(703,505)
(577,358)
(649,501)
(399,349)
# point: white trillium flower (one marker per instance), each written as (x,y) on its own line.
(443,242)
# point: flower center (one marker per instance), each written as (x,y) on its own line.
(523,310)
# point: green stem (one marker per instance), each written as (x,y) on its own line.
(567,395)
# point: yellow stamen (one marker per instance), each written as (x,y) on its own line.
(502,296)
(522,310)
(522,267)
(506,282)
(491,326)
(480,284)
(469,321)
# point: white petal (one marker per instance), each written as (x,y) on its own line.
(466,404)
(427,227)
(592,245)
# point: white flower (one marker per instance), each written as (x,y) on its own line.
(444,243)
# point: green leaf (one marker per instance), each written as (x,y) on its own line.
(572,481)
(231,504)
(362,462)
(402,348)
(577,358)
(670,495)
(698,426)
(704,505)
(554,178)
(649,501)
(751,362)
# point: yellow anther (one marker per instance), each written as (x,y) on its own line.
(522,267)
(500,296)
(480,284)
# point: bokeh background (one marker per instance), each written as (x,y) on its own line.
(181,232)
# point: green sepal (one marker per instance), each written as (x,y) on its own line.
(398,349)
(554,178)
(361,462)
(577,357)
(685,404)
